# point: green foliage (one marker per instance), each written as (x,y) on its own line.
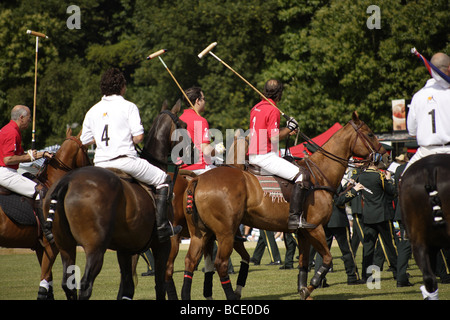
(329,60)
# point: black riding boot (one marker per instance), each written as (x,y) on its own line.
(296,220)
(165,229)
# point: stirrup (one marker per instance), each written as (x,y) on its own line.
(305,225)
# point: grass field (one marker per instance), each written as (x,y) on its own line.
(19,280)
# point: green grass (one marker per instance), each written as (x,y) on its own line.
(19,280)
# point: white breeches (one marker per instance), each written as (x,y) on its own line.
(138,168)
(276,165)
(14,181)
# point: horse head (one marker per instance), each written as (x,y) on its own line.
(159,141)
(71,155)
(365,144)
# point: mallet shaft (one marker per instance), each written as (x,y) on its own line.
(243,79)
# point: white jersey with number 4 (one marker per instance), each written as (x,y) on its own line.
(429,115)
(112,122)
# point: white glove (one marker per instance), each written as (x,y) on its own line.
(292,124)
(219,148)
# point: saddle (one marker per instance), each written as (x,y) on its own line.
(18,208)
(278,188)
(126,177)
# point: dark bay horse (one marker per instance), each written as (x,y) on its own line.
(98,210)
(70,155)
(424,185)
(225,197)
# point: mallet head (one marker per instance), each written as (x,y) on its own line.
(37,34)
(157,53)
(208,49)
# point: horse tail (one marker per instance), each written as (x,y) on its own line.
(57,195)
(190,201)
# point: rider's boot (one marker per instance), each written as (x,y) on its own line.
(164,227)
(296,220)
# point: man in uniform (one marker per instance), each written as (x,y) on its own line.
(339,228)
(376,215)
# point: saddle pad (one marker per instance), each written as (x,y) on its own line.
(18,209)
(271,187)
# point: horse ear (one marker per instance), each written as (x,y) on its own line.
(79,133)
(68,132)
(165,105)
(355,117)
(177,107)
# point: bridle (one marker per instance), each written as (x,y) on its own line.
(147,155)
(57,163)
(359,135)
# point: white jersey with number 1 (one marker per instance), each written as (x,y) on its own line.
(429,115)
(112,122)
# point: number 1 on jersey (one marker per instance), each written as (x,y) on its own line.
(433,120)
(105,136)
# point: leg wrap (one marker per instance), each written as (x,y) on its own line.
(302,277)
(171,290)
(320,275)
(227,288)
(187,284)
(243,273)
(208,284)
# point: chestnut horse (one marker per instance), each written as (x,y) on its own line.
(423,186)
(225,197)
(70,155)
(98,210)
(180,219)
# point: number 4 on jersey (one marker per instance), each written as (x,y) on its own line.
(105,136)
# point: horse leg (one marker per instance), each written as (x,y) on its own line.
(318,240)
(161,252)
(94,263)
(126,290)
(224,250)
(303,260)
(243,270)
(423,257)
(209,270)
(68,256)
(193,255)
(170,288)
(48,256)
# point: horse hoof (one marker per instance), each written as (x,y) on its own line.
(44,294)
(304,293)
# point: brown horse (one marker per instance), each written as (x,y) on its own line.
(180,219)
(71,155)
(424,185)
(98,210)
(226,196)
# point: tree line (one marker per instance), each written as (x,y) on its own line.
(329,56)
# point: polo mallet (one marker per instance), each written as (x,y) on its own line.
(33,132)
(208,50)
(158,54)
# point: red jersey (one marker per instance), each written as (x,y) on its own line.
(264,123)
(10,143)
(198,129)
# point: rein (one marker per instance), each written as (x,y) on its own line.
(59,163)
(147,155)
(344,162)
